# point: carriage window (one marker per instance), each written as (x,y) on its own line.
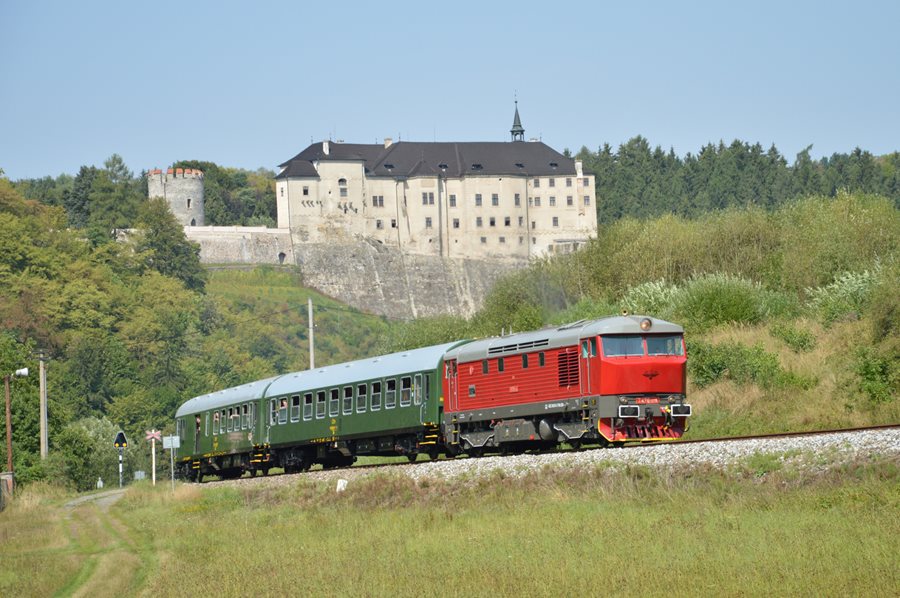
(348,400)
(405,391)
(417,390)
(215,423)
(524,361)
(427,387)
(230,421)
(307,406)
(295,408)
(223,421)
(500,364)
(541,359)
(484,367)
(376,396)
(390,395)
(245,416)
(623,346)
(665,345)
(320,404)
(252,414)
(206,424)
(361,398)
(283,411)
(334,403)
(237,418)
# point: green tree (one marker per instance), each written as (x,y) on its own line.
(161,239)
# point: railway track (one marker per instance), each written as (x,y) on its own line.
(592,449)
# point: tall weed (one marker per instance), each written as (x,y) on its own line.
(848,295)
(709,363)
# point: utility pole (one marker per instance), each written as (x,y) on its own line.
(312,347)
(42,370)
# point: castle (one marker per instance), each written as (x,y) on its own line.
(403,216)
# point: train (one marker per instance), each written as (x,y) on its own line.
(605,382)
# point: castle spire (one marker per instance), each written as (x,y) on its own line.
(517,131)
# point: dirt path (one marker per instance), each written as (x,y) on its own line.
(113,559)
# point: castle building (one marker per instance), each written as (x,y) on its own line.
(182,188)
(516,199)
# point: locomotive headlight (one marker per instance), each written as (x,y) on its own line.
(646,323)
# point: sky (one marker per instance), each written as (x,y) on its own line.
(250,85)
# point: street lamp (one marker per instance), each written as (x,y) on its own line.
(18,374)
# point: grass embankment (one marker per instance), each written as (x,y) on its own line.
(761,530)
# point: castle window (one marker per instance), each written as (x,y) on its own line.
(586,181)
(534,242)
(393,223)
(282,190)
(552,200)
(305,190)
(556,221)
(521,240)
(537,202)
(427,198)
(483,240)
(568,200)
(587,200)
(189,203)
(553,181)
(568,182)
(193,222)
(478,221)
(456,223)
(537,183)
(533,225)
(478,199)
(342,183)
(518,200)
(495,199)
(428,223)
(452,200)
(519,165)
(521,221)
(379,224)
(506,221)
(553,165)
(503,239)
(493,221)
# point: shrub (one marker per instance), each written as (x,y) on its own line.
(709,363)
(847,296)
(716,299)
(878,375)
(798,339)
(657,298)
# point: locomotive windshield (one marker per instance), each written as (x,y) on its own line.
(633,345)
(665,345)
(623,346)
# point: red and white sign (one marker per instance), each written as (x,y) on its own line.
(154,435)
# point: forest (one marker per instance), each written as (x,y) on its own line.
(773,269)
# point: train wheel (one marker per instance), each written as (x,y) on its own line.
(252,472)
(433,454)
(575,444)
(476,452)
(412,457)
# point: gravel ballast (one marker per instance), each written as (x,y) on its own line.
(814,453)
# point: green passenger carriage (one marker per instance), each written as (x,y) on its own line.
(386,405)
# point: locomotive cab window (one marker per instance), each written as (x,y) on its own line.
(390,395)
(626,345)
(307,406)
(376,396)
(665,345)
(405,391)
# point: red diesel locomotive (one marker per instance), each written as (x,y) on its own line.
(608,381)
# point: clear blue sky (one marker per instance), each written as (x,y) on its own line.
(251,84)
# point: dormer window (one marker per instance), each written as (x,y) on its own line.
(553,165)
(477,167)
(519,165)
(389,166)
(442,166)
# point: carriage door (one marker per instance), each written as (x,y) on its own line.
(452,400)
(587,351)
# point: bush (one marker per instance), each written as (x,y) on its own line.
(709,363)
(799,340)
(878,374)
(847,296)
(654,298)
(716,299)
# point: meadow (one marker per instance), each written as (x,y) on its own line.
(758,530)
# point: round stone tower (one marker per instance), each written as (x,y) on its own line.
(182,188)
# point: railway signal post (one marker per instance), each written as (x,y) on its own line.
(120,443)
(153,436)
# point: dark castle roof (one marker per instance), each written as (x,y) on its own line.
(415,158)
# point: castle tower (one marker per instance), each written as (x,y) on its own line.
(182,188)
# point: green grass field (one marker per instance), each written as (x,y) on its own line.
(756,531)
